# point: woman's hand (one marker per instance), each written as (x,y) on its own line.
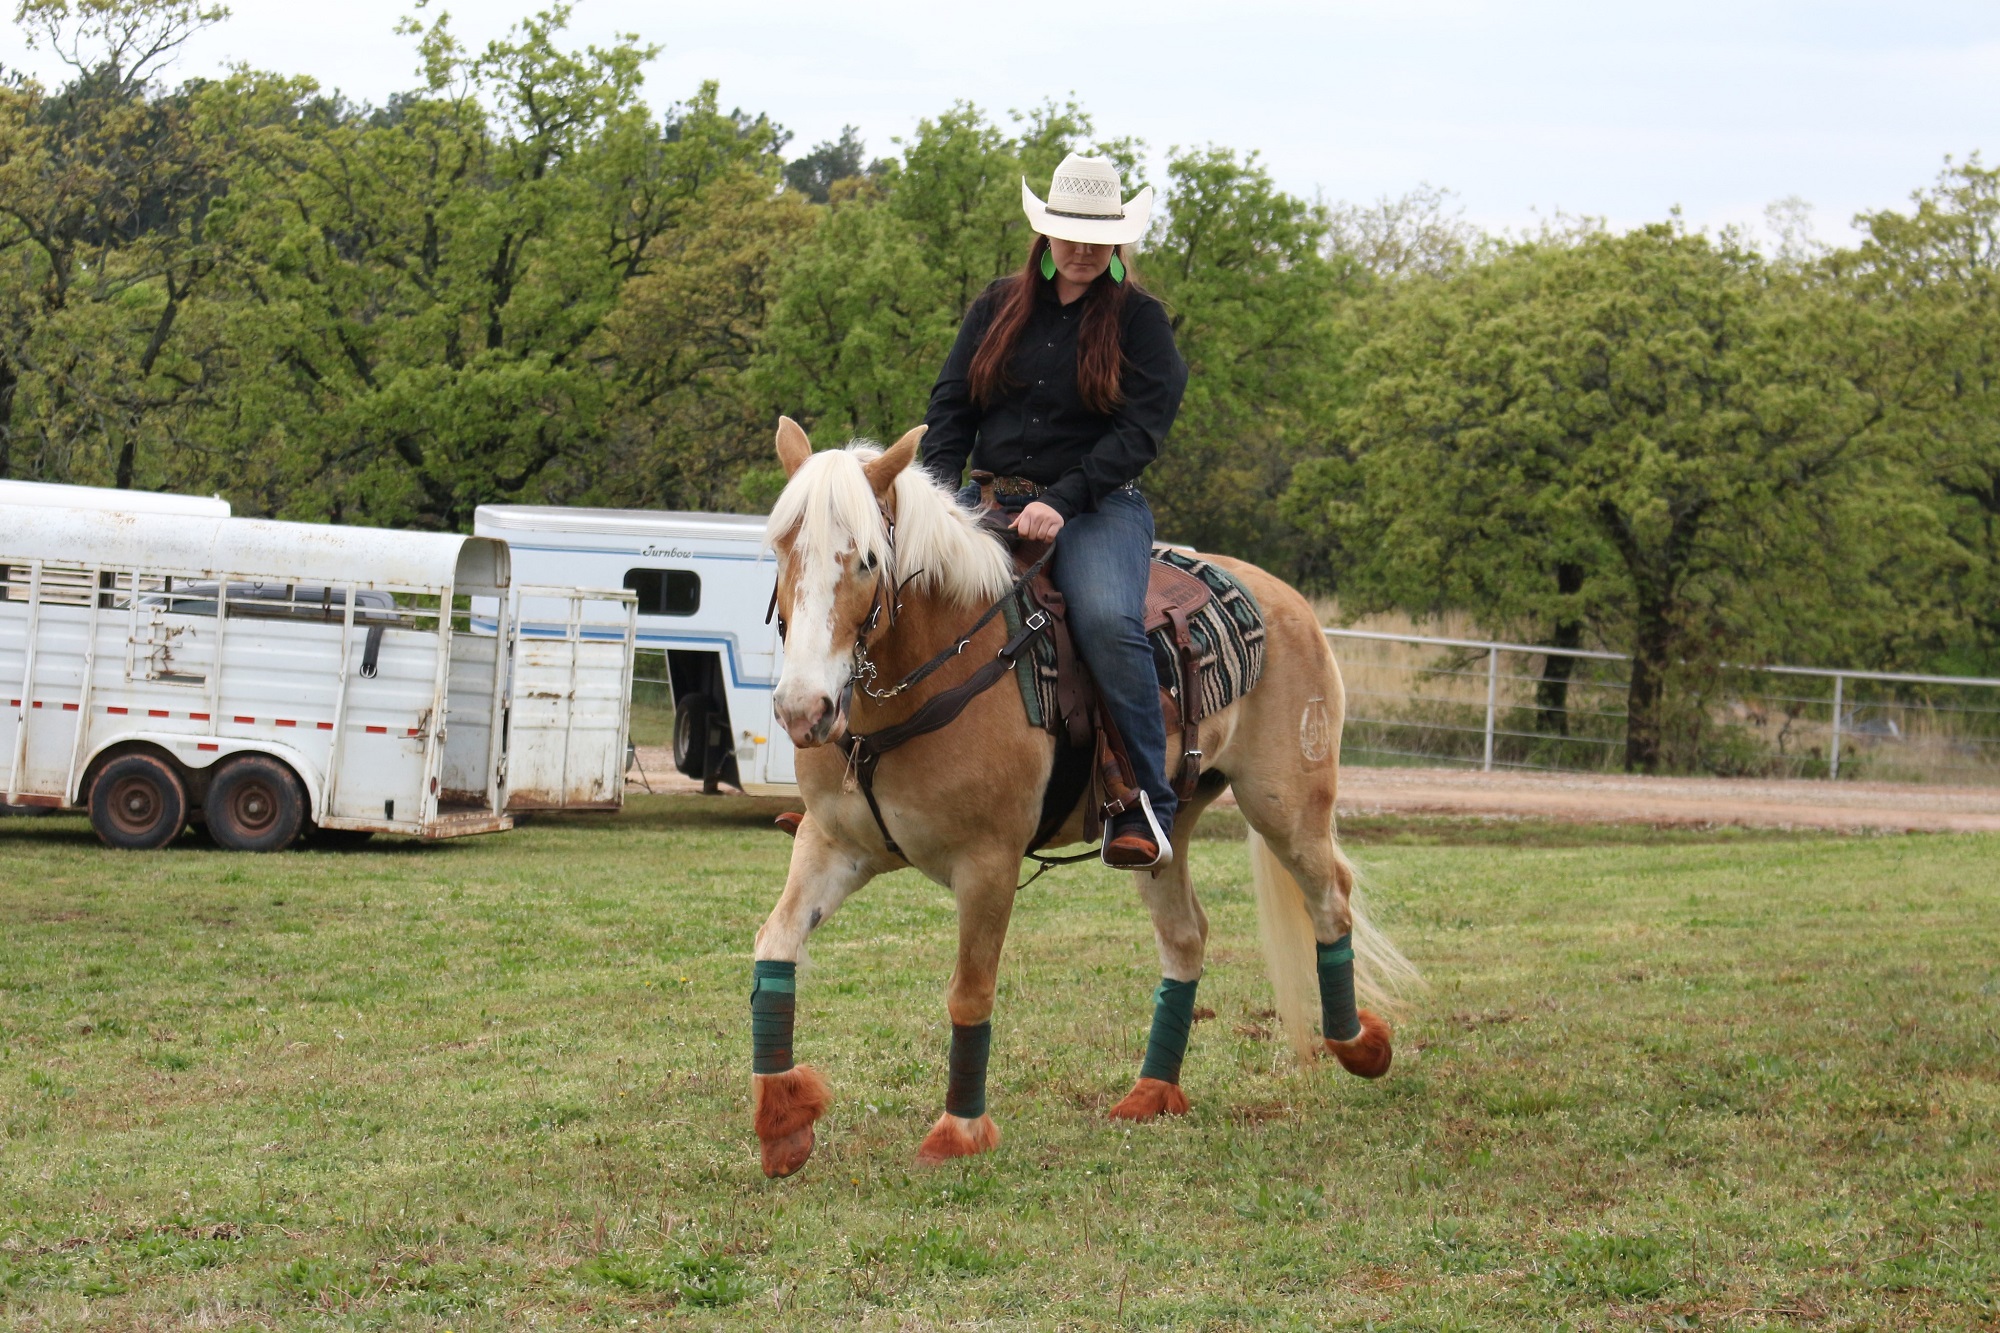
(1038,522)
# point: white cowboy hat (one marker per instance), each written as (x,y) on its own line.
(1083,204)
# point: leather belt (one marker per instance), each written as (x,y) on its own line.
(993,486)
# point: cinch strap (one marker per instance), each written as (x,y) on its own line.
(965,1094)
(1337,1018)
(773,1001)
(1173,1019)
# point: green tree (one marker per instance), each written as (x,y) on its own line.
(1933,274)
(1253,300)
(435,280)
(1650,412)
(815,174)
(108,194)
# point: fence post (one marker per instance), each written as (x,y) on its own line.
(1492,698)
(1833,761)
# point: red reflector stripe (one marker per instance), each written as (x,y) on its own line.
(204,745)
(197,717)
(69,708)
(326,726)
(38,703)
(119,711)
(414,731)
(286,722)
(246,720)
(378,731)
(155,712)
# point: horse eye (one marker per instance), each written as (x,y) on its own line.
(867,562)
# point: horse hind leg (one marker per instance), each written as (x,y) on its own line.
(1315,933)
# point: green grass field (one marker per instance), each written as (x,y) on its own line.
(1661,1080)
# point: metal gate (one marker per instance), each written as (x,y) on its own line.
(570,705)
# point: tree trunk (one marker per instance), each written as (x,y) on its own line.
(8,379)
(1645,700)
(1552,690)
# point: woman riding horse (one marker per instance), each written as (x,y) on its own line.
(1059,391)
(889,598)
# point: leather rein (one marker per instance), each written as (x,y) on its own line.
(865,751)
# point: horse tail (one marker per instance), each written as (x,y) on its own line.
(1381,973)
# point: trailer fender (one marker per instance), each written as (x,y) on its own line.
(197,753)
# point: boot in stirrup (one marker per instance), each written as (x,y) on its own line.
(1137,847)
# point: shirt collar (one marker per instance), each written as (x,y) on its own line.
(1046,295)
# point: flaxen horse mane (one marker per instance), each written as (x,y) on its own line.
(939,548)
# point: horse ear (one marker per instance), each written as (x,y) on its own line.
(883,471)
(793,446)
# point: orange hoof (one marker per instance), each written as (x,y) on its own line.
(1151,1097)
(1368,1054)
(784,1107)
(953,1137)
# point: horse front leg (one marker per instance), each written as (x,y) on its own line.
(786,1098)
(1180,929)
(985,905)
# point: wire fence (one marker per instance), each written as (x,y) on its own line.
(1422,700)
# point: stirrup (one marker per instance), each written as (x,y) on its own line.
(1160,840)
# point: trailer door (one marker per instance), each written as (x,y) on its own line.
(570,700)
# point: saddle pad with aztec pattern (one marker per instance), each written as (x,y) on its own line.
(1228,636)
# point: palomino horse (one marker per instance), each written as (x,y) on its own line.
(878,565)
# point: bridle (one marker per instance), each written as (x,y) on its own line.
(865,751)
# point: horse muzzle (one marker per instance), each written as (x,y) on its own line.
(814,725)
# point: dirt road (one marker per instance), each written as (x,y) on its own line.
(1599,798)
(1603,798)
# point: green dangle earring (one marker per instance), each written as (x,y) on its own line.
(1117,267)
(1048,264)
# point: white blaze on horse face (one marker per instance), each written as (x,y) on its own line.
(816,671)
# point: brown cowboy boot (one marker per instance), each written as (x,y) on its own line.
(1136,841)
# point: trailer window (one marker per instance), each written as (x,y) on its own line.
(665,592)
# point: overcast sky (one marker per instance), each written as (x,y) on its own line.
(1526,108)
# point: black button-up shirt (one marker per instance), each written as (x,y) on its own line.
(1040,429)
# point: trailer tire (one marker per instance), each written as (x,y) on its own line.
(138,802)
(255,804)
(691,715)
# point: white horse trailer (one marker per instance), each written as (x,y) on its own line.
(104,497)
(272,678)
(703,583)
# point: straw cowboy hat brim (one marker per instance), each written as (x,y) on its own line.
(1091,216)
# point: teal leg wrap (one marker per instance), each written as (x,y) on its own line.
(1337,1018)
(965,1093)
(1173,1018)
(773,999)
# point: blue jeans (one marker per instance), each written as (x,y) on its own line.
(1103,561)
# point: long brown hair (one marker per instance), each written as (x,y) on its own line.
(1100,358)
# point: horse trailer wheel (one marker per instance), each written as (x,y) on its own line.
(691,716)
(138,802)
(255,805)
